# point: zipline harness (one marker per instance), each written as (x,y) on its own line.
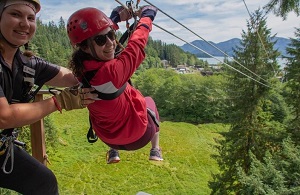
(21,94)
(132,8)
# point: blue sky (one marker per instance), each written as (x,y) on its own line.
(213,20)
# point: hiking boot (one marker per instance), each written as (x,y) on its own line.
(155,154)
(112,156)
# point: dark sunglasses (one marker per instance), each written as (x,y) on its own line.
(101,39)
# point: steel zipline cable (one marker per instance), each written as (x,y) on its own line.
(207,42)
(202,49)
(260,39)
(211,55)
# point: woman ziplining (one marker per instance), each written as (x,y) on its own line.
(121,116)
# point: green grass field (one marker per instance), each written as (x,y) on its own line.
(81,168)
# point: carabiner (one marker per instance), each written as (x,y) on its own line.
(130,28)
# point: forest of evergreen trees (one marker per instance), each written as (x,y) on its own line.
(261,152)
(51,43)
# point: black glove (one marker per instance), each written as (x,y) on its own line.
(147,11)
(120,14)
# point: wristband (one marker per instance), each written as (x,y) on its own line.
(57,104)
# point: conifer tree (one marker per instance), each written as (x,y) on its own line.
(277,174)
(293,85)
(283,7)
(252,131)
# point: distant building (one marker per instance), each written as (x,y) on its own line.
(206,73)
(182,69)
(165,63)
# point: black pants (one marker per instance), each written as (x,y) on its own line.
(29,176)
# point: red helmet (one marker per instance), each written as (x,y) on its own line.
(86,23)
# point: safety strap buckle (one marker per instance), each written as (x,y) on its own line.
(91,135)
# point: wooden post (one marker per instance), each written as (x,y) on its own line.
(38,143)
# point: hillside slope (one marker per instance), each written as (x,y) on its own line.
(80,167)
(228,46)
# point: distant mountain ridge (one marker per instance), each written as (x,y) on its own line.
(227,47)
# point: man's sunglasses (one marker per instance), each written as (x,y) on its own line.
(101,39)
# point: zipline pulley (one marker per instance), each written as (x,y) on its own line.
(132,8)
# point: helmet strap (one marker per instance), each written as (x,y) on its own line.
(9,43)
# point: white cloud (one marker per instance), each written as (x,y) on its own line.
(213,20)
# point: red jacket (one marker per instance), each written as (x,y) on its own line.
(122,120)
